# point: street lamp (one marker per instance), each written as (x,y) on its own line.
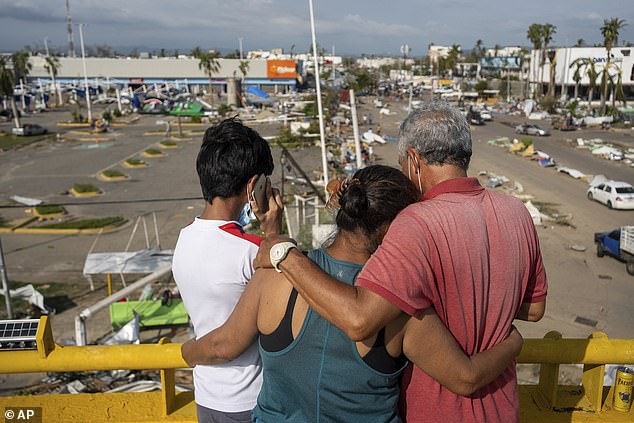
(83,61)
(320,110)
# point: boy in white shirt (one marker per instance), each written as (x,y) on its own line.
(213,261)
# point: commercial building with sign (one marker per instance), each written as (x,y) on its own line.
(568,59)
(269,75)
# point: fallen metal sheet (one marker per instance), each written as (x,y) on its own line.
(31,202)
(143,261)
(571,172)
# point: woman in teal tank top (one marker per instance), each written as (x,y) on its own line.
(312,371)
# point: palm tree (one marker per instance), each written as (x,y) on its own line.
(610,31)
(548,30)
(7,86)
(534,35)
(616,81)
(580,43)
(577,75)
(593,75)
(21,66)
(52,66)
(208,63)
(244,69)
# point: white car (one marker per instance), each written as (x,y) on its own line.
(486,115)
(614,194)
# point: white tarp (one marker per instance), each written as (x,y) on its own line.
(598,180)
(128,334)
(534,212)
(30,294)
(143,261)
(370,137)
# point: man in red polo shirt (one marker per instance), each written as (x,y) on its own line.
(471,254)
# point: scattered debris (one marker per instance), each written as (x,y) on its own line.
(32,295)
(607,152)
(579,248)
(128,334)
(571,172)
(31,202)
(586,321)
(74,387)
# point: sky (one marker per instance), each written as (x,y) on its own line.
(353,26)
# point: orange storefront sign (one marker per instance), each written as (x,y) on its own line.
(281,69)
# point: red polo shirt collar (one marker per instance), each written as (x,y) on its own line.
(455,185)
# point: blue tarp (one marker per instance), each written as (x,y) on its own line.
(256,91)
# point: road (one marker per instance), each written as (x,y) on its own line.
(581,285)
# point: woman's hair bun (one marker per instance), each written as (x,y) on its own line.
(354,201)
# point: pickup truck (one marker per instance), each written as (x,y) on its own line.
(619,244)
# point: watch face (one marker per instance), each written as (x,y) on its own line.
(277,251)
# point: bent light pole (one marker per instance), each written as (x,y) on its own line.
(320,110)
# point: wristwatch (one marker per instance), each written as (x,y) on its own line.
(279,252)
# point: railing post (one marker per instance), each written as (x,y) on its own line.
(549,376)
(168,385)
(592,379)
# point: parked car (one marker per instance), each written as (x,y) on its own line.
(530,129)
(619,244)
(486,115)
(29,129)
(614,194)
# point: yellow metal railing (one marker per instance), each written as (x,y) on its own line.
(546,402)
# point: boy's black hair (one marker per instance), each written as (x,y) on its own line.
(231,153)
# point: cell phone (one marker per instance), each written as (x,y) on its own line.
(259,193)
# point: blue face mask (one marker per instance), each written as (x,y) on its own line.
(246,215)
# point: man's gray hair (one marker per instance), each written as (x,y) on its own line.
(439,133)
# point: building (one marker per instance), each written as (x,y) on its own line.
(271,74)
(568,59)
(503,51)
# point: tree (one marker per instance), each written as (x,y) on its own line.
(449,63)
(577,75)
(580,43)
(610,31)
(7,86)
(208,63)
(534,35)
(592,73)
(244,69)
(52,66)
(548,30)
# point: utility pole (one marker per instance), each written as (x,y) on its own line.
(320,109)
(46,46)
(69,27)
(5,284)
(240,41)
(333,65)
(83,60)
(355,129)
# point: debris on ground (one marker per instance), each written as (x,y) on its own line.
(31,202)
(571,172)
(579,248)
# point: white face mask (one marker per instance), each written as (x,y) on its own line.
(409,175)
